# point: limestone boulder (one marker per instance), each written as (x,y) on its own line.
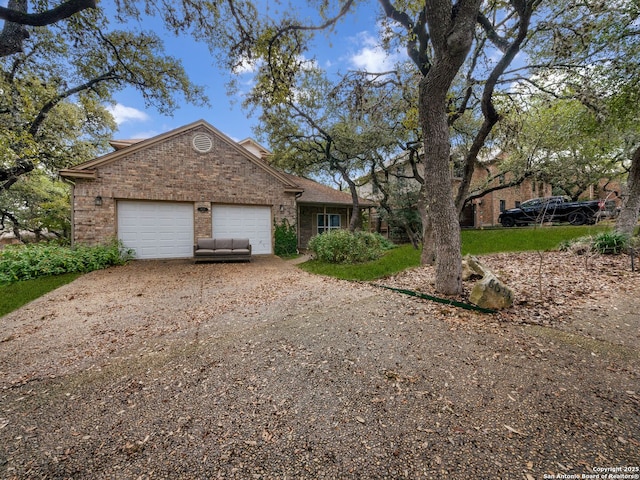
(489,291)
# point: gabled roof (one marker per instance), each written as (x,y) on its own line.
(254,147)
(126,147)
(319,194)
(310,191)
(120,144)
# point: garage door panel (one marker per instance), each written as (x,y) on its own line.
(156,229)
(241,221)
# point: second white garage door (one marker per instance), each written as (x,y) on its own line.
(240,221)
(156,229)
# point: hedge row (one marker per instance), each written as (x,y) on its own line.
(25,262)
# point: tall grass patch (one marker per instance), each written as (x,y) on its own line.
(606,243)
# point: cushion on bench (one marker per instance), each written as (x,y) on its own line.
(223,243)
(241,244)
(206,243)
(203,252)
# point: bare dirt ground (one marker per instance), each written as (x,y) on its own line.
(176,370)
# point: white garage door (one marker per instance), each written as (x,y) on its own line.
(254,223)
(156,229)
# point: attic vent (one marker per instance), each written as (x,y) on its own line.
(202,143)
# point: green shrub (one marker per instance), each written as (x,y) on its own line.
(25,262)
(286,238)
(611,242)
(578,246)
(607,242)
(565,245)
(342,246)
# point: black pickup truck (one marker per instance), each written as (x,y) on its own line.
(557,209)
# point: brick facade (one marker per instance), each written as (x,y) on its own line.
(169,168)
(308,225)
(487,209)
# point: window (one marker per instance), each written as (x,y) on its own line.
(503,205)
(328,221)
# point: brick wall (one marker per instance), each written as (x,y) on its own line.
(171,170)
(488,208)
(308,226)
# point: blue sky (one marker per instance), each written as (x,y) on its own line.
(353,45)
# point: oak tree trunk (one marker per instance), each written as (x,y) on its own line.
(428,256)
(356,215)
(628,218)
(451,28)
(441,211)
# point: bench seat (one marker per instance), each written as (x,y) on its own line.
(220,249)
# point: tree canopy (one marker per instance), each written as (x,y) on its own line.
(593,48)
(55,93)
(341,127)
(16,17)
(438,37)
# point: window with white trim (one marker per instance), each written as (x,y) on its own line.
(328,221)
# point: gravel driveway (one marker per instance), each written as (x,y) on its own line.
(260,370)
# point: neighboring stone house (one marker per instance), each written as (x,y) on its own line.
(484,211)
(610,189)
(480,212)
(160,194)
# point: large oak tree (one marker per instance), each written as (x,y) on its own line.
(438,36)
(54,94)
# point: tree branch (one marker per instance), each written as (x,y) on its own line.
(418,37)
(502,186)
(62,11)
(501,43)
(44,111)
(491,116)
(10,175)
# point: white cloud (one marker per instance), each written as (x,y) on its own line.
(122,114)
(247,66)
(372,57)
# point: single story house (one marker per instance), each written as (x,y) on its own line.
(160,194)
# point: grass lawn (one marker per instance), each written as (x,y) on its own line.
(17,294)
(523,239)
(474,242)
(394,261)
